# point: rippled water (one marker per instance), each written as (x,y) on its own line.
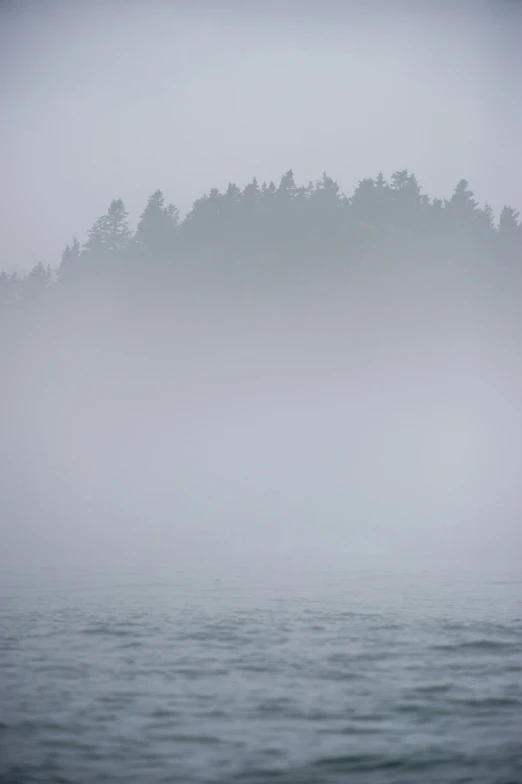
(172,677)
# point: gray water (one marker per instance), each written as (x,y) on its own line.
(167,676)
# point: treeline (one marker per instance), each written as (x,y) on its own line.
(268,229)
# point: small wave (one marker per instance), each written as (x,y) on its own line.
(358,729)
(488,703)
(163,713)
(354,763)
(476,645)
(422,711)
(133,644)
(279,705)
(255,668)
(185,737)
(434,688)
(107,631)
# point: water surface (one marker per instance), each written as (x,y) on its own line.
(164,675)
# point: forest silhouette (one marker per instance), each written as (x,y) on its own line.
(268,233)
(272,298)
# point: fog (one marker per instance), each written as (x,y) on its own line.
(295,425)
(221,437)
(109,99)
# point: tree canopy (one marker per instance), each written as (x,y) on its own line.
(284,229)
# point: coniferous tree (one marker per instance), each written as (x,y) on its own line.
(69,266)
(320,215)
(462,207)
(248,222)
(364,202)
(508,225)
(110,234)
(510,234)
(486,218)
(157,229)
(36,282)
(286,225)
(408,203)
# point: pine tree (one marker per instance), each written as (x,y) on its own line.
(69,266)
(327,193)
(36,282)
(287,188)
(363,202)
(508,225)
(407,200)
(249,221)
(510,234)
(110,234)
(156,232)
(251,195)
(487,218)
(462,207)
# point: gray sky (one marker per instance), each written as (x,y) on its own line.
(119,98)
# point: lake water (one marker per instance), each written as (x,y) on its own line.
(163,675)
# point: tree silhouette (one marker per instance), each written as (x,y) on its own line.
(462,207)
(37,281)
(157,229)
(408,204)
(287,229)
(110,234)
(510,234)
(68,270)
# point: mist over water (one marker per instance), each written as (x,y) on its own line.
(356,498)
(304,430)
(261,448)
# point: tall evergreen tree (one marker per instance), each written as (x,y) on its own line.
(251,195)
(510,234)
(70,263)
(508,225)
(408,203)
(365,201)
(157,228)
(36,282)
(110,234)
(321,215)
(287,188)
(462,207)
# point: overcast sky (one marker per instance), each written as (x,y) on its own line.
(112,99)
